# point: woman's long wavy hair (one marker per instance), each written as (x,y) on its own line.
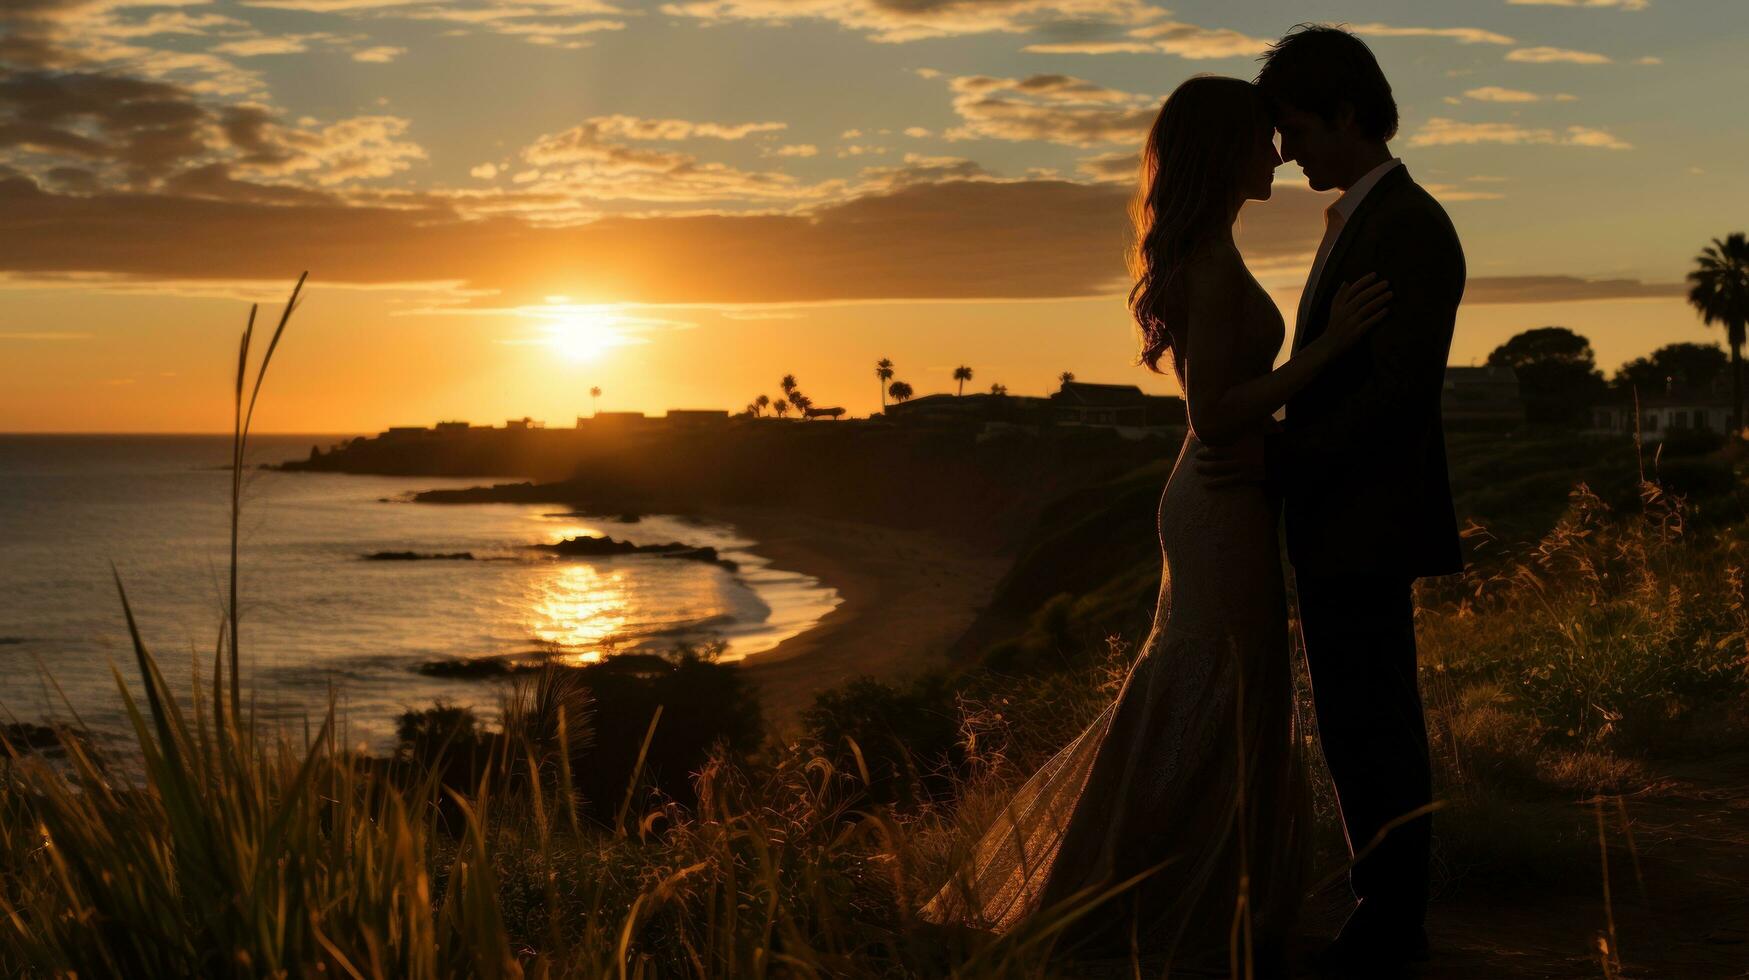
(1196,155)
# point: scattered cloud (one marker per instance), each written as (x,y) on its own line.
(591,161)
(1563,289)
(1111,167)
(795,150)
(255,47)
(928,233)
(1547,55)
(1462,35)
(638,128)
(382,54)
(1050,108)
(1196,43)
(1167,37)
(1495,93)
(1617,4)
(485,171)
(1439,131)
(1649,60)
(898,21)
(1455,192)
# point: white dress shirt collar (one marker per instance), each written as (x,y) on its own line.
(1351,198)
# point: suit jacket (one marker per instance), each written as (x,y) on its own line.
(1364,471)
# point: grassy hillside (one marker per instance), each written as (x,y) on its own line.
(1571,665)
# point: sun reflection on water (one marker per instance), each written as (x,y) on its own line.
(578,608)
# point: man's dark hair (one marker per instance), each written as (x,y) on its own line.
(1317,67)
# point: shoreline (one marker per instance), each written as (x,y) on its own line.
(905,597)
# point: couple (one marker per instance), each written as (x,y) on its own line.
(1192,778)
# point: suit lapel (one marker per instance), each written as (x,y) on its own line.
(1318,313)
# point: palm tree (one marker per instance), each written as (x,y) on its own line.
(801,403)
(884,371)
(1719,289)
(899,390)
(760,403)
(788,384)
(962,374)
(998,389)
(594,393)
(780,407)
(1066,377)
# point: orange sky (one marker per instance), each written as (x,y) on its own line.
(502,205)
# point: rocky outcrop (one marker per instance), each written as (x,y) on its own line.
(586,546)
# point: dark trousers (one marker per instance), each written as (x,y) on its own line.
(1359,634)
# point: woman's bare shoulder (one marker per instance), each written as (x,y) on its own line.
(1213,273)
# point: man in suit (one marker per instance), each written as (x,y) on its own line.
(1362,470)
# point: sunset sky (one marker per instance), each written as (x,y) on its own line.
(503,203)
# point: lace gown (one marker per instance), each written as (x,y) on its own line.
(1195,767)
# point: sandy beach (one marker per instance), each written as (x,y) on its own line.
(907,595)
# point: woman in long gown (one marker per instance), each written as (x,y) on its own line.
(1191,782)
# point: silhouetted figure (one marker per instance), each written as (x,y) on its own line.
(1192,777)
(1362,467)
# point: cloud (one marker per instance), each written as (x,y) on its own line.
(379,55)
(1454,192)
(1494,93)
(1586,136)
(957,238)
(138,132)
(962,237)
(920,169)
(795,150)
(1563,289)
(1439,131)
(550,23)
(1618,4)
(91,35)
(1167,37)
(1196,43)
(1111,167)
(591,162)
(898,21)
(485,171)
(255,47)
(1051,108)
(639,128)
(1546,55)
(1462,35)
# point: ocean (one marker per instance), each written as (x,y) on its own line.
(316,616)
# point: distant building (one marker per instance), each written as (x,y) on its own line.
(1662,416)
(404,431)
(618,418)
(696,416)
(817,413)
(1115,406)
(1481,397)
(969,410)
(1124,408)
(452,427)
(524,423)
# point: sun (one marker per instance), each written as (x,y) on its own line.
(583,335)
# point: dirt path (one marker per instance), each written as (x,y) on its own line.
(1691,830)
